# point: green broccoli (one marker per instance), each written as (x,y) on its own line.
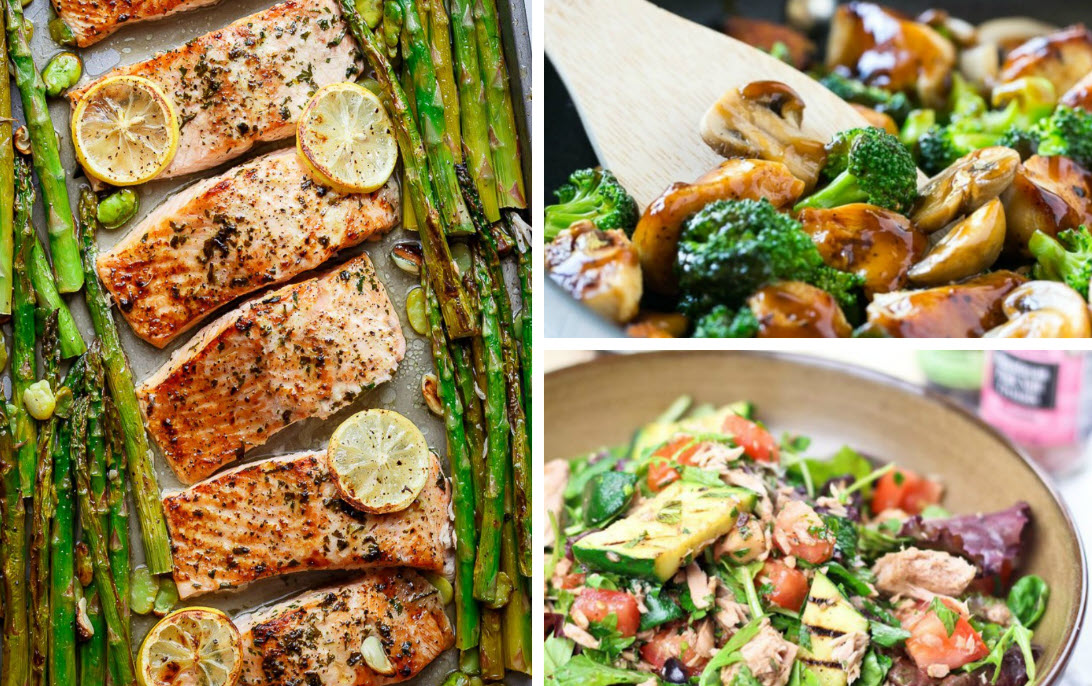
(940,146)
(896,105)
(724,323)
(1066,258)
(593,195)
(731,248)
(867,165)
(915,126)
(1067,132)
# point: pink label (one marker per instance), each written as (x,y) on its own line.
(1034,396)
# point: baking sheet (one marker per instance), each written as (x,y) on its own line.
(140,41)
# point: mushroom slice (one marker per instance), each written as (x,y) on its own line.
(1063,58)
(656,237)
(1048,194)
(966,309)
(970,248)
(762,120)
(1080,94)
(1011,32)
(876,243)
(794,309)
(599,268)
(1044,309)
(886,49)
(971,181)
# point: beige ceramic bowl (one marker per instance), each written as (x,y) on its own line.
(600,403)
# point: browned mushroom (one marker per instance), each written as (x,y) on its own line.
(765,35)
(762,120)
(1049,194)
(599,268)
(966,309)
(971,247)
(658,325)
(1008,33)
(878,244)
(1044,309)
(885,48)
(793,309)
(970,182)
(1080,94)
(878,119)
(1063,58)
(656,237)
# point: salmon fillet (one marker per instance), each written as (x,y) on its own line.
(315,638)
(261,223)
(285,515)
(93,20)
(304,350)
(249,81)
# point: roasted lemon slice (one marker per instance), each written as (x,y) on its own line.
(125,130)
(346,138)
(193,646)
(380,461)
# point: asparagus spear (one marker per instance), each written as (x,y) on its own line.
(47,158)
(117,631)
(23,360)
(439,37)
(490,585)
(118,530)
(41,518)
(522,233)
(498,98)
(15,651)
(431,120)
(472,416)
(517,613)
(49,297)
(7,179)
(521,444)
(457,311)
(153,525)
(491,651)
(92,654)
(473,113)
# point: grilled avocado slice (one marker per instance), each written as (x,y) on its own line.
(827,616)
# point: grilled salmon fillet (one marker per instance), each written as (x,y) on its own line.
(304,350)
(315,638)
(249,81)
(261,223)
(285,515)
(93,20)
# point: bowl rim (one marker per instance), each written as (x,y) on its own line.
(1072,632)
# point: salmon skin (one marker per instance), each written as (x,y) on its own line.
(259,224)
(93,20)
(304,350)
(247,82)
(285,515)
(315,638)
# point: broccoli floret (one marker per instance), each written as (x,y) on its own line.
(897,105)
(915,126)
(593,195)
(722,322)
(940,146)
(1023,141)
(1066,132)
(1066,258)
(731,248)
(867,165)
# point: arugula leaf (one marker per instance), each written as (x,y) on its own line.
(856,582)
(601,581)
(874,669)
(947,616)
(741,581)
(1028,598)
(611,641)
(729,653)
(745,677)
(583,671)
(845,537)
(582,471)
(555,653)
(886,635)
(703,477)
(1016,634)
(845,461)
(661,609)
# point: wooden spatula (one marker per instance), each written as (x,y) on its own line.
(642,78)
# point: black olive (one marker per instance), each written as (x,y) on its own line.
(672,672)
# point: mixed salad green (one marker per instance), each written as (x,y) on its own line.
(708,552)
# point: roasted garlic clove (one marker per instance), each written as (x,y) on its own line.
(970,248)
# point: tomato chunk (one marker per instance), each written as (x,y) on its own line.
(667,644)
(790,585)
(800,531)
(904,490)
(930,644)
(660,475)
(596,604)
(757,443)
(680,449)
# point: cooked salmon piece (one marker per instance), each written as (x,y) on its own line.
(247,82)
(304,350)
(285,515)
(315,638)
(259,224)
(93,20)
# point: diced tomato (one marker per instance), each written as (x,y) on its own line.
(660,474)
(790,585)
(904,490)
(666,644)
(570,581)
(930,644)
(680,449)
(801,532)
(757,443)
(596,604)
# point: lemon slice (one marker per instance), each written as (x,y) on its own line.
(125,130)
(380,461)
(346,138)
(193,646)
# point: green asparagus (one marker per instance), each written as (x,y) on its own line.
(7,179)
(491,650)
(23,359)
(92,654)
(41,519)
(522,234)
(517,613)
(118,525)
(15,651)
(153,525)
(439,37)
(507,164)
(47,158)
(45,287)
(473,112)
(472,415)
